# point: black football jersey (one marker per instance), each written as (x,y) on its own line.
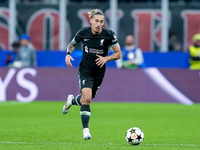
(94,45)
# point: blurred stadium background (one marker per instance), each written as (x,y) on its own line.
(163,30)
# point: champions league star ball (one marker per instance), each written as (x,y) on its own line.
(134,136)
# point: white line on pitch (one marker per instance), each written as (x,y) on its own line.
(68,143)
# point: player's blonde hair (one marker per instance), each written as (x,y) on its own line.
(95,12)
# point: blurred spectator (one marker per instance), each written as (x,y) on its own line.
(174,44)
(11,56)
(26,56)
(132,56)
(194,51)
(9,60)
(15,46)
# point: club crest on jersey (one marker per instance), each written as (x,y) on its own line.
(101,42)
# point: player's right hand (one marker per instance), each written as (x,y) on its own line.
(68,59)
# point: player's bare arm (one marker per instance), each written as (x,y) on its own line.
(68,57)
(100,61)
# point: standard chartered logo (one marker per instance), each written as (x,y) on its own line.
(86,49)
(94,51)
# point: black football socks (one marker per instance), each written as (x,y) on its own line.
(76,100)
(84,111)
(85,115)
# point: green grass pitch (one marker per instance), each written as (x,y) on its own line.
(41,126)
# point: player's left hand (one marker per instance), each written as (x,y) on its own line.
(100,61)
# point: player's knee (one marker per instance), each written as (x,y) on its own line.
(86,100)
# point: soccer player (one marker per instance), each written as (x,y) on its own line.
(96,41)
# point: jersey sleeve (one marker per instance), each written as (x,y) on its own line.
(114,40)
(77,37)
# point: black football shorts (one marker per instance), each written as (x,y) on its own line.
(88,81)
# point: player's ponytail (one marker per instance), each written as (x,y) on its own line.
(95,12)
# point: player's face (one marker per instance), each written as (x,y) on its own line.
(97,23)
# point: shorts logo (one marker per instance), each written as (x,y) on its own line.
(83,82)
(101,42)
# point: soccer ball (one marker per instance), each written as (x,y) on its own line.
(134,136)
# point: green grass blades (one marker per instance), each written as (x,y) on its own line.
(41,126)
